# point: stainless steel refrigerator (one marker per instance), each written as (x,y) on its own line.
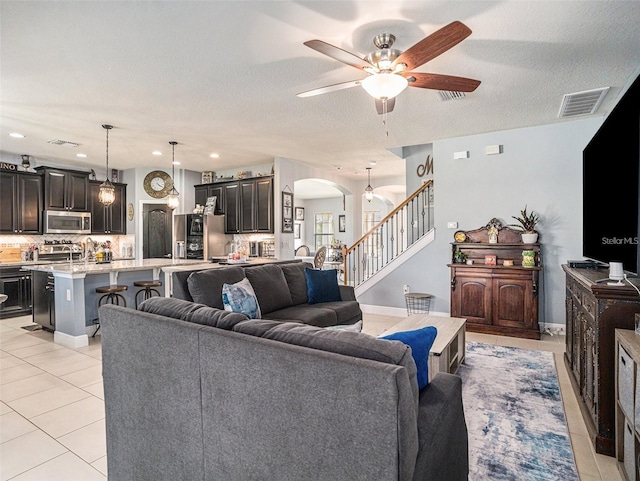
(200,236)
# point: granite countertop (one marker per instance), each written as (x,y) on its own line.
(214,265)
(82,267)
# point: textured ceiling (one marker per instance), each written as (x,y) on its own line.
(223,76)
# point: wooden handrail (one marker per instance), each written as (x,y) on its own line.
(389,216)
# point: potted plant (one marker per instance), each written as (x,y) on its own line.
(527,224)
(459,257)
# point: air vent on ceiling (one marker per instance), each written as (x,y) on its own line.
(450,95)
(582,103)
(64,143)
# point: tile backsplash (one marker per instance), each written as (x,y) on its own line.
(26,241)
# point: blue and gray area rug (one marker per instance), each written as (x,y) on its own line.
(515,417)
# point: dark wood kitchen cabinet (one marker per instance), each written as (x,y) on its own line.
(65,189)
(594,310)
(21,200)
(249,206)
(204,191)
(16,284)
(496,299)
(110,219)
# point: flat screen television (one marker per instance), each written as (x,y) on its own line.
(611,176)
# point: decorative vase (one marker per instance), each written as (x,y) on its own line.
(529,238)
(528,259)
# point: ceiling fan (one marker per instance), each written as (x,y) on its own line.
(391,71)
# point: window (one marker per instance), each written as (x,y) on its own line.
(323,229)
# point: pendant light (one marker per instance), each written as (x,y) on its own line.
(173,199)
(368,192)
(107,193)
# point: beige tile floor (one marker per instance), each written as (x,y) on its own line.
(52,408)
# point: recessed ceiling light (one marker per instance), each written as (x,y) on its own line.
(156,152)
(372,162)
(81,155)
(338,167)
(215,156)
(16,135)
(175,162)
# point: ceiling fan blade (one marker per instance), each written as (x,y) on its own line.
(442,82)
(338,54)
(435,44)
(330,88)
(380,106)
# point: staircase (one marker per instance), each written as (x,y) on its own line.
(390,238)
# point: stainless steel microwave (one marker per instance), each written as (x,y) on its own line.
(65,222)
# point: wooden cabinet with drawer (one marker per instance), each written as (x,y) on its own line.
(593,311)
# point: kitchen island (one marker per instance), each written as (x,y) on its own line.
(75,299)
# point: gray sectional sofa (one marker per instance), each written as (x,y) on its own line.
(281,290)
(196,393)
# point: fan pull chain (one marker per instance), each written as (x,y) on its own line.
(384,117)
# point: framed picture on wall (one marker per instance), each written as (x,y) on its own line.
(342,223)
(299,213)
(296,231)
(287,212)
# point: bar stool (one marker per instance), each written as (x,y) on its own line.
(110,296)
(148,289)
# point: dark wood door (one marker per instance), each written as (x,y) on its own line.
(247,206)
(218,192)
(156,226)
(117,215)
(98,210)
(264,205)
(55,190)
(201,194)
(232,208)
(471,297)
(513,303)
(78,192)
(30,204)
(8,200)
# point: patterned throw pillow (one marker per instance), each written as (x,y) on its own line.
(240,297)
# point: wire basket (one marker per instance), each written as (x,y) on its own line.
(418,302)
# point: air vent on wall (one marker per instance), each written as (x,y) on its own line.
(64,143)
(582,103)
(450,95)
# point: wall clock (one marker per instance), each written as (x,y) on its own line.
(157,184)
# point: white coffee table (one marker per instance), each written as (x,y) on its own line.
(448,350)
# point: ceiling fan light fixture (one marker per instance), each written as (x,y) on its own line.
(106,191)
(384,85)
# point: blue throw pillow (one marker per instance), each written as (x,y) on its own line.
(322,286)
(240,297)
(420,342)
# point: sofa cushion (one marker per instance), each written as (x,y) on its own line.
(270,287)
(296,280)
(346,311)
(191,312)
(240,297)
(305,314)
(420,342)
(205,286)
(349,343)
(322,285)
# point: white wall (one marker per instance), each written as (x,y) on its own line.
(540,167)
